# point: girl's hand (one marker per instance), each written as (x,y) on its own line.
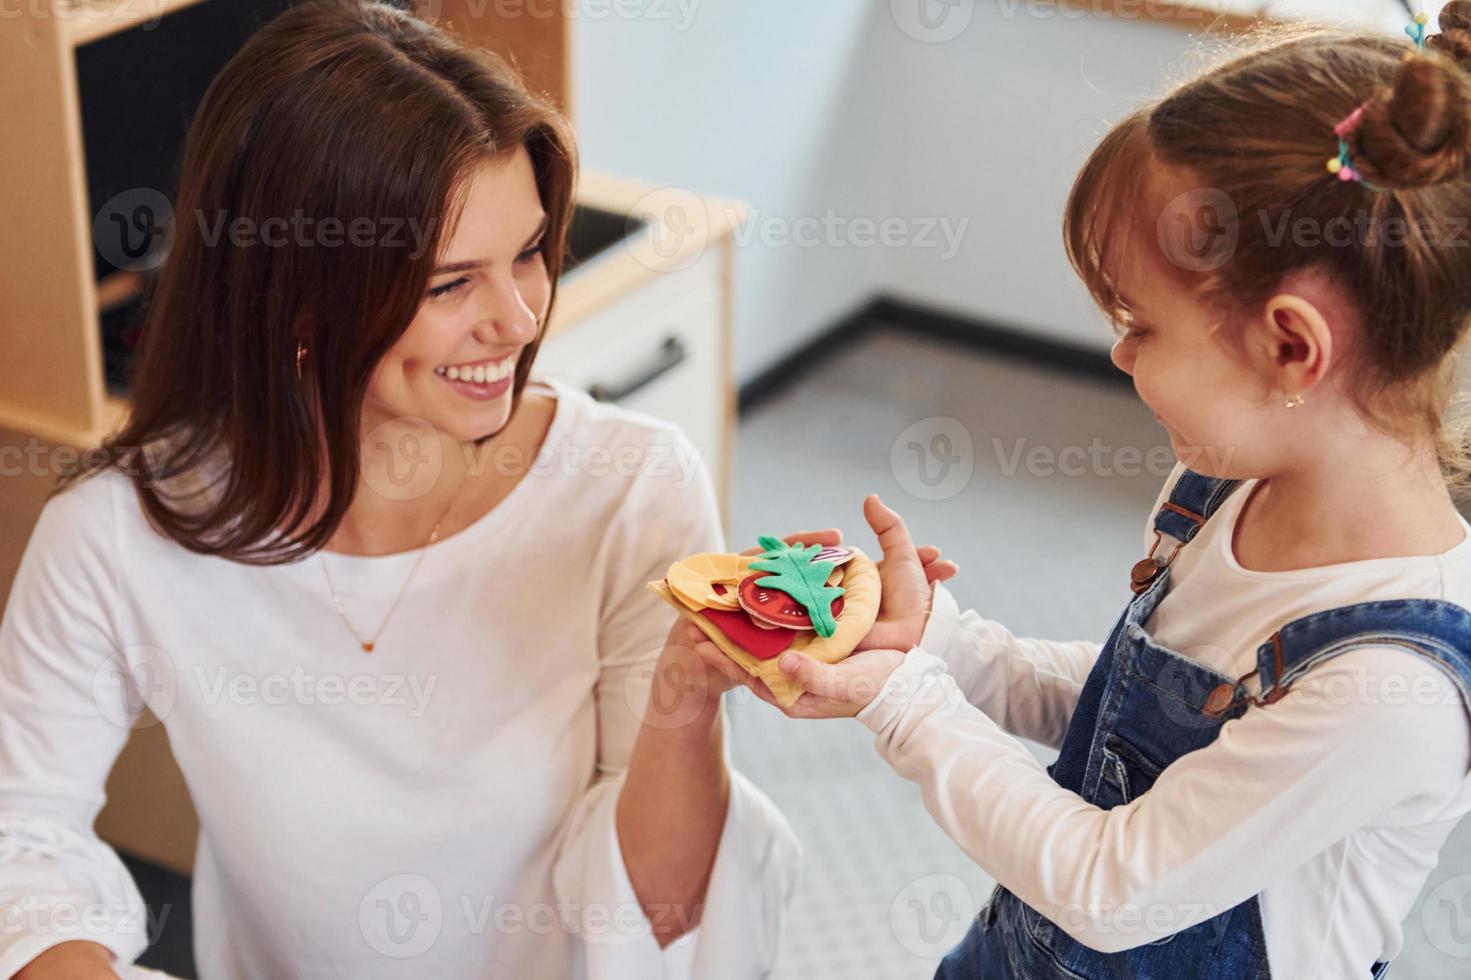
(907,574)
(839,690)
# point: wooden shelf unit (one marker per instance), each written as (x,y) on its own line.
(91,20)
(50,349)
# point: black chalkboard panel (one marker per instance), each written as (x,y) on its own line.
(139,89)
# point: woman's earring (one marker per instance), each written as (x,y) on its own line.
(300,356)
(1294,400)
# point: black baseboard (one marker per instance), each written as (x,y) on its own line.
(976,334)
(989,337)
(793,366)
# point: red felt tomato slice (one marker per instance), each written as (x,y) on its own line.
(763,644)
(776,607)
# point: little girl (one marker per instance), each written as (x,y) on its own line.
(1259,766)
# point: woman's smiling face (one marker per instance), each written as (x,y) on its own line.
(455,364)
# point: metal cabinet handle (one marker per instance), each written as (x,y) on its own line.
(672,353)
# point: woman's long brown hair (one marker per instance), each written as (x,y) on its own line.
(337,111)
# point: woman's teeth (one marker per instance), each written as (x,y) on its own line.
(479,373)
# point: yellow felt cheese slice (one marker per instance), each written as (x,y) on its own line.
(692,579)
(861,594)
(688,603)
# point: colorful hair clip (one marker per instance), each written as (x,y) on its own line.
(1342,165)
(1416,30)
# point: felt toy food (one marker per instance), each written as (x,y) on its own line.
(818,601)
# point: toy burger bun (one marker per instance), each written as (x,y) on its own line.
(818,601)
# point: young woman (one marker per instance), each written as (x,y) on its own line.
(392,616)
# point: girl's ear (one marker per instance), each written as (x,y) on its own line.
(1297,343)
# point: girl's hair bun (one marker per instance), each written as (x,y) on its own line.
(1454,39)
(1418,133)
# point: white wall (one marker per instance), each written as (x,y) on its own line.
(993,125)
(757,100)
(830,111)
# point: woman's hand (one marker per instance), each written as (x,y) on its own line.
(671,810)
(76,959)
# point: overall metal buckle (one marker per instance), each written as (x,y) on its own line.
(1147,569)
(1223,697)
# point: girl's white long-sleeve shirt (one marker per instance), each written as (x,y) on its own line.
(441,807)
(1332,803)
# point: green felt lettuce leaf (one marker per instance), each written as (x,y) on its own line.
(795,573)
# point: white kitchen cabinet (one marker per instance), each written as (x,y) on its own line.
(659,350)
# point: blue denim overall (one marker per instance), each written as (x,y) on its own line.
(1142,707)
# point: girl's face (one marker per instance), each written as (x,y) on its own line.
(454,366)
(1216,408)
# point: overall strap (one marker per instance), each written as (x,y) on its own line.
(1193,499)
(1432,628)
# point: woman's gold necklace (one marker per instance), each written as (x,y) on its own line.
(368,644)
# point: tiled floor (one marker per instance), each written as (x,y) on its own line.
(1044,540)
